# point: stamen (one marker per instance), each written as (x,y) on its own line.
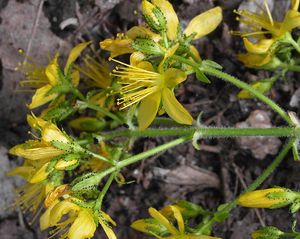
(269,13)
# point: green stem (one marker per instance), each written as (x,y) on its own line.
(291,40)
(233,80)
(290,67)
(98,156)
(99,201)
(206,132)
(245,86)
(271,167)
(101,110)
(253,186)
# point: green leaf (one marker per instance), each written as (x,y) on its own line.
(201,77)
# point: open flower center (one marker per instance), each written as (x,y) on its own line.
(136,83)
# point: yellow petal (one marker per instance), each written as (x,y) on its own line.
(179,218)
(35,122)
(45,218)
(60,209)
(295,5)
(37,152)
(195,52)
(83,227)
(204,23)
(148,110)
(52,71)
(171,17)
(75,77)
(258,48)
(24,171)
(103,220)
(291,21)
(117,46)
(170,52)
(142,32)
(254,60)
(174,109)
(40,97)
(163,220)
(136,58)
(40,175)
(63,164)
(259,199)
(74,54)
(50,133)
(174,77)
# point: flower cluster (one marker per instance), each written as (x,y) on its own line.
(267,41)
(153,73)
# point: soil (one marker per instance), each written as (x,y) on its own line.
(217,173)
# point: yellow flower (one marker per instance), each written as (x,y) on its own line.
(43,79)
(267,198)
(163,224)
(264,33)
(40,149)
(70,221)
(200,25)
(143,84)
(31,195)
(123,42)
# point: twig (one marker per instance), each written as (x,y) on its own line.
(34,27)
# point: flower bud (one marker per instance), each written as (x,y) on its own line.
(267,233)
(267,198)
(154,16)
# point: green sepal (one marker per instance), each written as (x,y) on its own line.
(221,215)
(70,147)
(149,226)
(201,77)
(190,210)
(87,181)
(146,46)
(295,206)
(267,233)
(295,150)
(212,64)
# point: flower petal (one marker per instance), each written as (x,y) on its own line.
(163,220)
(291,21)
(51,71)
(254,60)
(142,32)
(103,220)
(40,97)
(174,109)
(171,17)
(260,47)
(117,46)
(60,209)
(41,174)
(35,150)
(74,54)
(45,218)
(24,171)
(204,23)
(148,110)
(174,77)
(83,227)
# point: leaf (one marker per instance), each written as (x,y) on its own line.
(201,77)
